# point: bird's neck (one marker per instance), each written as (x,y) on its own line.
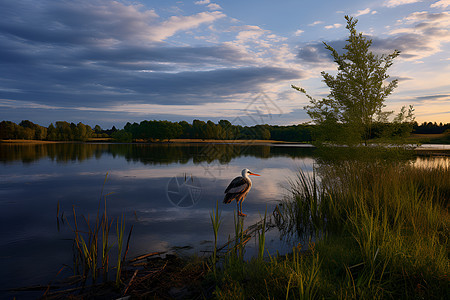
(247,178)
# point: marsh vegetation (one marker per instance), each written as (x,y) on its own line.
(376,230)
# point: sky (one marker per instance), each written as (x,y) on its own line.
(112,62)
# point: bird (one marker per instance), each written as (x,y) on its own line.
(238,190)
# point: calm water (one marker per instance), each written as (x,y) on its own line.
(166,191)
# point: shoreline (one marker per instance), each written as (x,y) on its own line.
(172,141)
(424,149)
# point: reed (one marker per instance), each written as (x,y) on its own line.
(381,231)
(262,237)
(215,221)
(92,245)
(120,229)
(395,214)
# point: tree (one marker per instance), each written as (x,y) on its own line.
(122,136)
(357,92)
(97,129)
(31,130)
(52,133)
(64,131)
(198,129)
(9,130)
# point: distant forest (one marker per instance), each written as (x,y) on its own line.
(166,130)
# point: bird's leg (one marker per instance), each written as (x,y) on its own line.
(240,212)
(237,207)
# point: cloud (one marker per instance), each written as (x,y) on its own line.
(101,54)
(400,78)
(299,32)
(214,6)
(395,3)
(336,25)
(441,4)
(419,34)
(437,97)
(183,23)
(201,2)
(315,53)
(365,12)
(96,22)
(315,23)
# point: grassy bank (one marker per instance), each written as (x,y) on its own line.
(381,233)
(181,141)
(441,138)
(28,142)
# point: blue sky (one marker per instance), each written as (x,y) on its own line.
(110,62)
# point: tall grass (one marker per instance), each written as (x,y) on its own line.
(381,230)
(120,229)
(262,237)
(215,221)
(395,214)
(92,245)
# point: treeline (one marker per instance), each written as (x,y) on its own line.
(223,130)
(154,131)
(430,128)
(61,131)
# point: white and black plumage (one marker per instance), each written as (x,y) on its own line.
(238,190)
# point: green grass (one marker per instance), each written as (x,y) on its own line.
(92,245)
(381,231)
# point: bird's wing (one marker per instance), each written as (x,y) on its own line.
(237,185)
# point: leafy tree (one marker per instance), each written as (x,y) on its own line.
(9,130)
(210,130)
(134,129)
(26,133)
(122,136)
(357,91)
(198,129)
(83,132)
(98,129)
(174,130)
(52,133)
(186,129)
(31,130)
(64,131)
(228,131)
(40,133)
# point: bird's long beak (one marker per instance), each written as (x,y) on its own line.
(254,174)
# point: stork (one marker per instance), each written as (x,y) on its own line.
(238,190)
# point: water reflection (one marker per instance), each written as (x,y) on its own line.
(145,153)
(432,162)
(35,178)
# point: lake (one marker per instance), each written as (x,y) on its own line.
(166,191)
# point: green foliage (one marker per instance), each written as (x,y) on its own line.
(165,130)
(26,130)
(63,131)
(357,91)
(92,246)
(97,129)
(430,128)
(215,222)
(389,220)
(122,136)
